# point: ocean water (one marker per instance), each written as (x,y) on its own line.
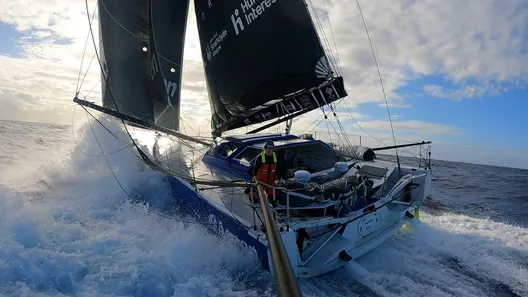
(66,229)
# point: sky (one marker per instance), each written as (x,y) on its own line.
(454,72)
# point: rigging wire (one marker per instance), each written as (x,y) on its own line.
(143,156)
(155,167)
(380,79)
(84,52)
(132,199)
(159,169)
(361,128)
(91,90)
(77,147)
(120,185)
(326,44)
(123,188)
(340,69)
(86,73)
(136,36)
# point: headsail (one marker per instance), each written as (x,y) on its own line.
(141,54)
(263,60)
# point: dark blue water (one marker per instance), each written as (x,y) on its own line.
(481,191)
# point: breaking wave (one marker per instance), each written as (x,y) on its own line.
(67,227)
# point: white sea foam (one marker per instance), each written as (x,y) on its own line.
(66,227)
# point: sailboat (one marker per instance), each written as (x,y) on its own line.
(264,65)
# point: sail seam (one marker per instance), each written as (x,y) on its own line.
(156,56)
(131,33)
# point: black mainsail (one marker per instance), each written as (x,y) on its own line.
(141,50)
(263,60)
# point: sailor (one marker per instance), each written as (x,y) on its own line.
(267,167)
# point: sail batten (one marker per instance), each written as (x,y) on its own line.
(141,50)
(256,51)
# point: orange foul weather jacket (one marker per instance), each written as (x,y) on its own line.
(266,169)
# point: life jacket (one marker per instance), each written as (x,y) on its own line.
(266,172)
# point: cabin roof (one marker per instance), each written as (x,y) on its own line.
(250,136)
(255,138)
(282,143)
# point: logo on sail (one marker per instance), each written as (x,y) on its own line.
(330,93)
(251,10)
(170,86)
(305,102)
(214,46)
(208,52)
(322,68)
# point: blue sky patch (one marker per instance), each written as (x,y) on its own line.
(9,36)
(12,40)
(494,116)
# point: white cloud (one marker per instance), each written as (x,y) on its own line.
(480,40)
(464,92)
(52,50)
(412,126)
(394,105)
(378,133)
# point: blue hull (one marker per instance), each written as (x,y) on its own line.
(190,202)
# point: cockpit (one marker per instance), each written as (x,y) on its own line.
(297,154)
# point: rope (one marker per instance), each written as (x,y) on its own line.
(380,79)
(83,152)
(340,69)
(142,156)
(123,188)
(84,52)
(136,36)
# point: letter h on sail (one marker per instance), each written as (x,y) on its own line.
(237,22)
